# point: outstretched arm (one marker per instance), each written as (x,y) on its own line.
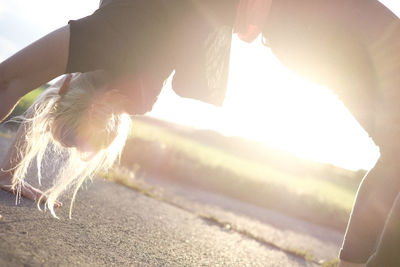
(31,67)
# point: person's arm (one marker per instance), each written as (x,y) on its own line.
(31,67)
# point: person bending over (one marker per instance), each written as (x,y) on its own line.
(352,46)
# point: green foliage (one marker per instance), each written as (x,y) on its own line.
(127,177)
(26,101)
(331,263)
(5,135)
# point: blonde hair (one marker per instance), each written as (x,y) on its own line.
(53,118)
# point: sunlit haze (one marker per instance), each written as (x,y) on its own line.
(264,102)
(268,103)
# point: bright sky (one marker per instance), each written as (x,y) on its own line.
(277,108)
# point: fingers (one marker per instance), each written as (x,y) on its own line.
(35,194)
(31,193)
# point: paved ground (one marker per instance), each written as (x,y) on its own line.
(114,225)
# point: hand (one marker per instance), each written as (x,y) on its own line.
(343,263)
(28,192)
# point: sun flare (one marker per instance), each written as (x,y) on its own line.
(268,103)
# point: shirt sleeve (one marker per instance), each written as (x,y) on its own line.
(201,41)
(125,38)
(120,37)
(159,36)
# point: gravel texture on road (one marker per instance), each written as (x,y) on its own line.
(114,225)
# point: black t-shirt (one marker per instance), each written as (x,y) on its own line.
(159,36)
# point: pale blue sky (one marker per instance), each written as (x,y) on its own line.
(24,21)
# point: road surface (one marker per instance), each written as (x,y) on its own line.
(113,225)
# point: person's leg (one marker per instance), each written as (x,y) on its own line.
(373,202)
(387,252)
(313,39)
(381,186)
(329,42)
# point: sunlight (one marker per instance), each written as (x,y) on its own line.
(287,112)
(268,103)
(264,101)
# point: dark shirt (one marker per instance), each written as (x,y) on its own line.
(157,37)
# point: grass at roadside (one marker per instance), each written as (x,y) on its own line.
(6,134)
(27,101)
(157,150)
(126,177)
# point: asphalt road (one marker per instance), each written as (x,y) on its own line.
(114,225)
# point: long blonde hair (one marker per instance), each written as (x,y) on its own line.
(52,118)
